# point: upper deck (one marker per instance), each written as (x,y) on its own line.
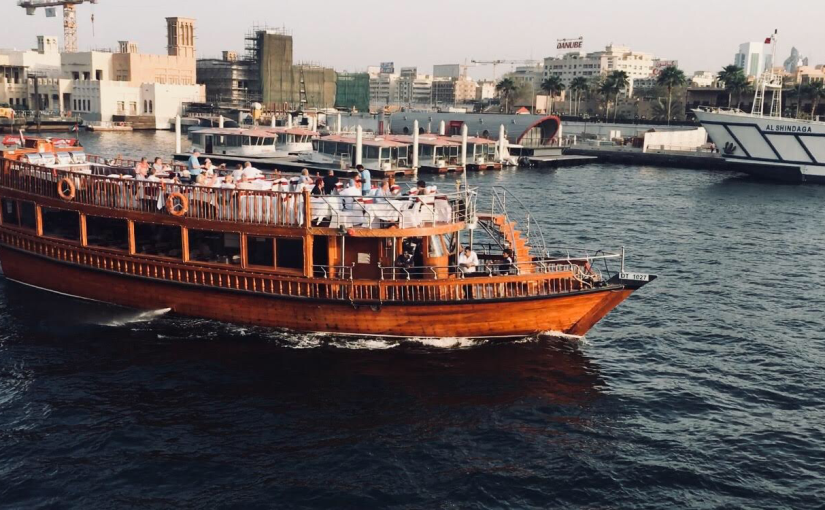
(260,203)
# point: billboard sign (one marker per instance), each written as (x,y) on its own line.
(570,44)
(387,67)
(658,65)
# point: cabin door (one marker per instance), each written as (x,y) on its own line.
(364,253)
(208,144)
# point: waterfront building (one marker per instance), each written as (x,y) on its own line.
(703,79)
(807,74)
(229,80)
(106,86)
(465,90)
(485,90)
(636,64)
(752,58)
(383,89)
(443,92)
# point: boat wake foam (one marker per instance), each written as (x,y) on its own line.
(133,318)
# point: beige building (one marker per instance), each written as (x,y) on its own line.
(637,65)
(104,86)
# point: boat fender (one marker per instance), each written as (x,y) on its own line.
(177,204)
(66,189)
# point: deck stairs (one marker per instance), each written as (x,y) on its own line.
(499,224)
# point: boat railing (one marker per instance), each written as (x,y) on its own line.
(237,205)
(353,290)
(249,206)
(121,164)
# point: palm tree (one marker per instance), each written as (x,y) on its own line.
(739,85)
(577,86)
(620,82)
(607,89)
(505,88)
(730,74)
(670,77)
(815,90)
(552,85)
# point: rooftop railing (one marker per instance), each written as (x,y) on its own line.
(95,185)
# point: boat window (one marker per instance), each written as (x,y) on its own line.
(107,232)
(28,216)
(10,216)
(290,253)
(402,152)
(260,251)
(436,249)
(160,240)
(315,145)
(61,224)
(426,151)
(329,148)
(215,247)
(269,141)
(371,152)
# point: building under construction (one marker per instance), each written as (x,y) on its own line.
(352,92)
(267,74)
(302,85)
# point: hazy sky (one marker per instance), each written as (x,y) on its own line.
(353,34)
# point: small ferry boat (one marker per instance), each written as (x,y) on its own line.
(482,153)
(260,142)
(277,256)
(436,154)
(380,155)
(108,126)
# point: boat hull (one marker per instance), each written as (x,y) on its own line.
(573,313)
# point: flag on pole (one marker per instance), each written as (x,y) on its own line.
(767,40)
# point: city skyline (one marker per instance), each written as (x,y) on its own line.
(344,42)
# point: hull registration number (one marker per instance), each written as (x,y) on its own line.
(638,277)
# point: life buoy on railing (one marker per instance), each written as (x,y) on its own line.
(177,204)
(66,189)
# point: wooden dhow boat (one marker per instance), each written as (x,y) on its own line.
(283,258)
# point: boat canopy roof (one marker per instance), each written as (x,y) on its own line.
(260,131)
(434,140)
(372,142)
(475,140)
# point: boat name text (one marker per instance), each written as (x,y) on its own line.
(788,129)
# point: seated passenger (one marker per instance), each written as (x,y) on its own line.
(467,261)
(318,189)
(237,173)
(250,172)
(506,264)
(142,168)
(228,182)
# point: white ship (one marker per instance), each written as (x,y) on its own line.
(771,146)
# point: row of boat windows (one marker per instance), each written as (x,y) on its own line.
(248,141)
(369,151)
(158,240)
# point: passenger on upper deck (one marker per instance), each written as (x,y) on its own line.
(365,178)
(153,175)
(467,261)
(142,168)
(506,265)
(352,191)
(159,167)
(194,166)
(208,167)
(250,172)
(395,190)
(421,186)
(305,178)
(318,189)
(237,173)
(329,182)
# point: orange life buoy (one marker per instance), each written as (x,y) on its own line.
(66,189)
(177,204)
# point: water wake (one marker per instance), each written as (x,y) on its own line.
(133,318)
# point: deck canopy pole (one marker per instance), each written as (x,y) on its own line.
(442,128)
(288,120)
(177,135)
(359,144)
(338,124)
(272,121)
(502,143)
(220,121)
(464,151)
(415,146)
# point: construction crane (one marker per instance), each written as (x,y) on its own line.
(69,17)
(496,63)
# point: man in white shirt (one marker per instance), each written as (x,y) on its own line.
(468,261)
(250,172)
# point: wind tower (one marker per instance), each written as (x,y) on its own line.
(69,17)
(180,35)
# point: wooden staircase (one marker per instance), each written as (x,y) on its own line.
(512,237)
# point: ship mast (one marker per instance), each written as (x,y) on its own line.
(769,80)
